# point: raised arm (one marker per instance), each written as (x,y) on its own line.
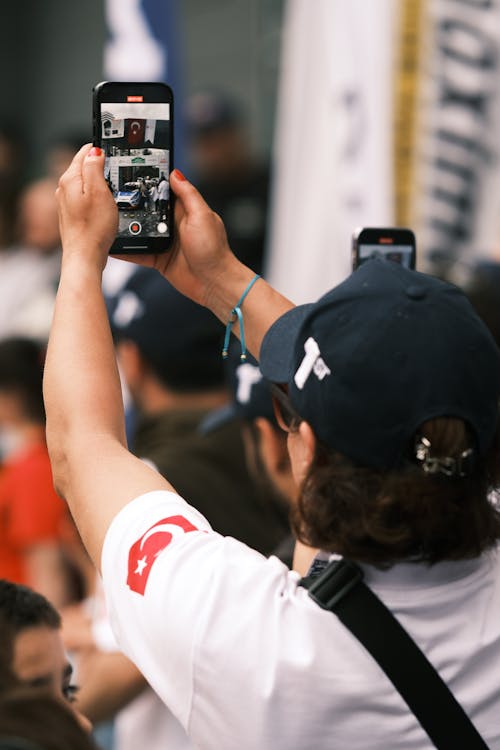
(92,467)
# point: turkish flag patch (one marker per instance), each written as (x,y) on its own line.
(145,550)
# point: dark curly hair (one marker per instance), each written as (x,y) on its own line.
(382,517)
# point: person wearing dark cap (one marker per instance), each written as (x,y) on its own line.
(388,388)
(264,441)
(233,179)
(169,351)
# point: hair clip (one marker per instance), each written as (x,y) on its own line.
(459,466)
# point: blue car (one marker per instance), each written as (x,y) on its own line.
(129,196)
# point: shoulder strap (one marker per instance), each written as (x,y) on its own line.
(340,588)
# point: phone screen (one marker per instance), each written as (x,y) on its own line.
(135,138)
(398,253)
(392,243)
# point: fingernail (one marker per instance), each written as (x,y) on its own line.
(95,151)
(179,175)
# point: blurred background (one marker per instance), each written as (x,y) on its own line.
(52,53)
(382,113)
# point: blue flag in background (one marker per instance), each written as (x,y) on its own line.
(143,45)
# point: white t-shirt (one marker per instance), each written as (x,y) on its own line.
(245,659)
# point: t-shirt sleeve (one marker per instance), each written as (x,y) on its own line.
(151,611)
(178,593)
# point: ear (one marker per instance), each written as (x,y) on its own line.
(308,440)
(301,447)
(274,456)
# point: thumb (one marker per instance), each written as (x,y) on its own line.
(187,193)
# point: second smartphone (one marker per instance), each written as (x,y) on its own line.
(133,124)
(393,243)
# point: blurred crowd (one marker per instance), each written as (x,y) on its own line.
(183,416)
(207,425)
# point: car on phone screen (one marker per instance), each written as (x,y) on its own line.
(129,196)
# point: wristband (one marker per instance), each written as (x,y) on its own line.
(236,314)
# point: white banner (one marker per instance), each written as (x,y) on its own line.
(457,212)
(333,145)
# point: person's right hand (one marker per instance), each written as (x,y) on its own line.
(88,216)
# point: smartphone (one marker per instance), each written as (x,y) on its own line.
(133,124)
(394,243)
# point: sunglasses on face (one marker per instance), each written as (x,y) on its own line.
(286,416)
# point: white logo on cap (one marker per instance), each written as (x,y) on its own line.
(248,376)
(129,308)
(312,362)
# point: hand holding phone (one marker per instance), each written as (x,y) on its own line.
(393,243)
(133,125)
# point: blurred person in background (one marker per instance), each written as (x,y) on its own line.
(33,650)
(29,268)
(37,221)
(39,545)
(61,150)
(31,719)
(11,175)
(228,173)
(264,441)
(34,673)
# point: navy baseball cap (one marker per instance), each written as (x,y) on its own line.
(180,340)
(250,393)
(380,354)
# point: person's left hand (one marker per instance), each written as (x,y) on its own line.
(88,216)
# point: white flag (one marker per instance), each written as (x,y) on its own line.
(333,145)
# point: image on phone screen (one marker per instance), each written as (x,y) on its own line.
(135,136)
(398,253)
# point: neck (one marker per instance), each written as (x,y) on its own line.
(303,557)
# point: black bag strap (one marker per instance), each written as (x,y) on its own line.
(340,589)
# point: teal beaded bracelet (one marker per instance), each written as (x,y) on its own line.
(236,314)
